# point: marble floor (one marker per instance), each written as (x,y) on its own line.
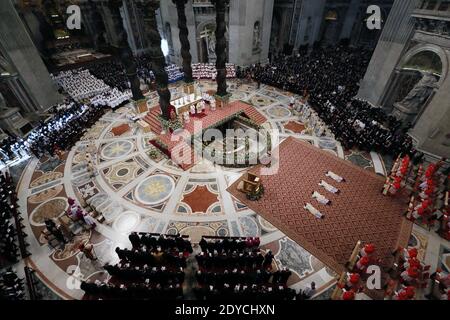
(138,191)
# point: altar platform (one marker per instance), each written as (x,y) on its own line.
(358,212)
(209,119)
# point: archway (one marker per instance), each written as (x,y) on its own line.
(412,70)
(331,27)
(275,34)
(206,37)
(424,61)
(420,74)
(414,65)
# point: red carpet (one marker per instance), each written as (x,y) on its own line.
(359,212)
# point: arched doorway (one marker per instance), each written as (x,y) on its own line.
(331,27)
(206,41)
(413,70)
(275,34)
(418,78)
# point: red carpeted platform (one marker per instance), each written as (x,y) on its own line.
(208,119)
(359,212)
(120,130)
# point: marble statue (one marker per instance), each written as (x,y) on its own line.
(420,93)
(256,37)
(211,45)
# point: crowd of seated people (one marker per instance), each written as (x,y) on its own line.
(66,127)
(409,278)
(236,268)
(161,274)
(209,71)
(56,231)
(444,208)
(258,276)
(80,84)
(12,236)
(11,148)
(228,244)
(135,291)
(11,286)
(161,252)
(144,68)
(9,250)
(152,269)
(154,242)
(112,73)
(429,197)
(113,98)
(330,77)
(358,124)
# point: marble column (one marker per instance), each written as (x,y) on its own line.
(126,55)
(184,40)
(26,101)
(148,9)
(242,18)
(221,47)
(350,17)
(19,49)
(97,27)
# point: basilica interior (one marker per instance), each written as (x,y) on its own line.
(211,150)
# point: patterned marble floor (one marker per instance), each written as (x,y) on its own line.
(138,191)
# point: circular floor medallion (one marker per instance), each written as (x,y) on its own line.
(127,222)
(155,189)
(50,209)
(279,112)
(117,149)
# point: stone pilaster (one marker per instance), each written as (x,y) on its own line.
(19,49)
(126,55)
(350,17)
(394,38)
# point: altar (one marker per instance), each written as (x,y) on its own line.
(184,103)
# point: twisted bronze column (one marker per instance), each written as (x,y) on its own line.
(221,46)
(98,25)
(153,38)
(126,55)
(185,45)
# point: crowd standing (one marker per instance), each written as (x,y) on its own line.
(9,250)
(11,286)
(329,78)
(154,269)
(64,129)
(238,268)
